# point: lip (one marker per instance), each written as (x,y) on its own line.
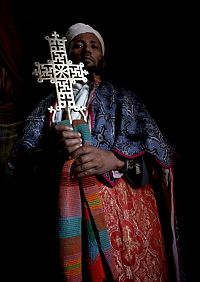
(87,60)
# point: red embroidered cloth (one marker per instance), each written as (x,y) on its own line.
(135,232)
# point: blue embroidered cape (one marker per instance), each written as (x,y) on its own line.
(120,122)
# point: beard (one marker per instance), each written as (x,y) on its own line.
(89,65)
(94,69)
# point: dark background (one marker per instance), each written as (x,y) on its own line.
(150,48)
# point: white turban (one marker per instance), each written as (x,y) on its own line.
(79,28)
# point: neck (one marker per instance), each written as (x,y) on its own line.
(94,77)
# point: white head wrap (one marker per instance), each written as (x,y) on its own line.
(79,28)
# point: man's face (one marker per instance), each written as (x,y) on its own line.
(86,48)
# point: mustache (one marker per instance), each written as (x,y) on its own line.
(88,58)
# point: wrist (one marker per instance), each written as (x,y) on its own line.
(121,165)
(117,163)
(128,165)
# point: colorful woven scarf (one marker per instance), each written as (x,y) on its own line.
(84,241)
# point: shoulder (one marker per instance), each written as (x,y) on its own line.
(118,91)
(124,95)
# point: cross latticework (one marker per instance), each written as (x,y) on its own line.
(63,73)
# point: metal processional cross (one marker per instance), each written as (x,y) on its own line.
(64,74)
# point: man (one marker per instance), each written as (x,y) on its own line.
(113,175)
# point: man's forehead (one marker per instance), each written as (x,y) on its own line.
(87,36)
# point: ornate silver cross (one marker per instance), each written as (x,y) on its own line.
(64,74)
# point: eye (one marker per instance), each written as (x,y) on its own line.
(95,46)
(78,45)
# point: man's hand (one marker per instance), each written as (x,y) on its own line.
(89,160)
(69,139)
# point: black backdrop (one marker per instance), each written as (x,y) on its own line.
(149,48)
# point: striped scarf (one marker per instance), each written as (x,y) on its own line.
(85,247)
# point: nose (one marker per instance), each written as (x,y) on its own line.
(87,48)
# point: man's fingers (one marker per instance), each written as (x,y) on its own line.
(86,149)
(61,127)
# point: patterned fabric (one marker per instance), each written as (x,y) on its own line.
(84,241)
(120,122)
(135,233)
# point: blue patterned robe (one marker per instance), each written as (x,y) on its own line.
(120,122)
